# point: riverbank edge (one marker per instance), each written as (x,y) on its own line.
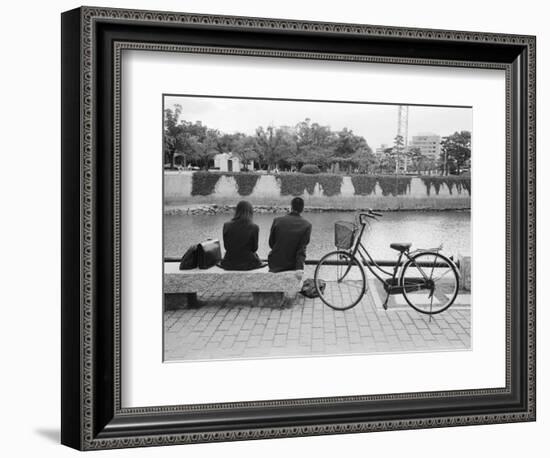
(214,209)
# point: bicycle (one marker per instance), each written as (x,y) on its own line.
(340,278)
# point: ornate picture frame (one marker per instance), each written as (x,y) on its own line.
(93,416)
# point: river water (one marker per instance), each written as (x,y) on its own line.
(422,229)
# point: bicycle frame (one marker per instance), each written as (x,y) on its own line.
(359,248)
(390,283)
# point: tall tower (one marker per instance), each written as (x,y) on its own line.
(403,131)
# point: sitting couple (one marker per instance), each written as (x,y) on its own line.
(288,239)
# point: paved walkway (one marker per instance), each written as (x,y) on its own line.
(229,326)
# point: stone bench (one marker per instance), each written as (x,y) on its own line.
(268,289)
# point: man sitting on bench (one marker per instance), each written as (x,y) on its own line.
(288,239)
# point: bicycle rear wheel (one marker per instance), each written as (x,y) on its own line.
(430,282)
(344,279)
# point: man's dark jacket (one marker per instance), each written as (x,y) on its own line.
(288,239)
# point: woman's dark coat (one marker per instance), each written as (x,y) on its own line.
(240,239)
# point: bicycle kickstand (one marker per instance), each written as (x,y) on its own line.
(385,304)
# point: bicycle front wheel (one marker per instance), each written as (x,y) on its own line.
(430,282)
(340,280)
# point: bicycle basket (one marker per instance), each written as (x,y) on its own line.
(344,234)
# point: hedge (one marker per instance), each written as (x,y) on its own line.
(296,184)
(451,181)
(363,184)
(246,182)
(392,185)
(204,183)
(331,184)
(312,169)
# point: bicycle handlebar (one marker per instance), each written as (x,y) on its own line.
(369,214)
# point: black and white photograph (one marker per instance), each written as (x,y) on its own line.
(303,228)
(275,229)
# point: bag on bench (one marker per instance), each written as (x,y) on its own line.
(189,259)
(203,255)
(209,253)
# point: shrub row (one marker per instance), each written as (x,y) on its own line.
(394,185)
(331,184)
(204,183)
(363,184)
(391,185)
(456,182)
(246,182)
(297,184)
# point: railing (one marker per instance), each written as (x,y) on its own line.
(381,263)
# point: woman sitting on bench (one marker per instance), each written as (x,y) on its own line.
(240,239)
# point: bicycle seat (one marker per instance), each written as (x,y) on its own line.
(401,247)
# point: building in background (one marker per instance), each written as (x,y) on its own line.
(379,153)
(227,162)
(429,145)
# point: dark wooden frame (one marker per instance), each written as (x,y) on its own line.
(92,39)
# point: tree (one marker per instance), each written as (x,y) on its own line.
(180,136)
(314,143)
(418,160)
(387,162)
(204,148)
(398,150)
(353,151)
(432,164)
(172,130)
(274,145)
(365,160)
(391,158)
(226,143)
(245,150)
(456,151)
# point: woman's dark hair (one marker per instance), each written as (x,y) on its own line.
(243,211)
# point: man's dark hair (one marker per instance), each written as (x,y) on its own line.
(297,205)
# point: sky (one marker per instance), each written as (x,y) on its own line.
(376,123)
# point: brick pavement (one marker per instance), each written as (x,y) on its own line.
(229,326)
